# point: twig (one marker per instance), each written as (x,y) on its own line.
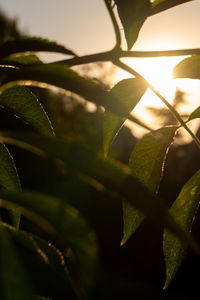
(115,25)
(178,52)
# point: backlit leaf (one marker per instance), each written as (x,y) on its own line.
(28,59)
(195,114)
(14,281)
(22,102)
(128,92)
(65,78)
(66,225)
(183,210)
(133,14)
(9,179)
(188,68)
(34,44)
(146,163)
(161,5)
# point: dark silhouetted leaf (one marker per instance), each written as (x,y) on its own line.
(46,252)
(195,114)
(22,102)
(34,44)
(111,174)
(188,68)
(161,5)
(14,281)
(183,210)
(9,179)
(65,78)
(146,163)
(128,92)
(66,225)
(133,14)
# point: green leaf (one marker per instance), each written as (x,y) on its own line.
(161,5)
(133,14)
(128,92)
(34,44)
(183,210)
(113,175)
(14,281)
(9,179)
(22,102)
(19,60)
(15,61)
(188,68)
(44,250)
(195,114)
(146,163)
(65,78)
(66,225)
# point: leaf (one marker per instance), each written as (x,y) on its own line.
(183,210)
(128,92)
(65,78)
(45,251)
(188,68)
(15,61)
(133,14)
(195,114)
(161,5)
(66,225)
(27,44)
(14,281)
(22,102)
(146,163)
(9,179)
(113,175)
(19,60)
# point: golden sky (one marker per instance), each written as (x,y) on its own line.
(85,27)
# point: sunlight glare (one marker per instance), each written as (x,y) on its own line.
(158,72)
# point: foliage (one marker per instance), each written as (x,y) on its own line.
(46,217)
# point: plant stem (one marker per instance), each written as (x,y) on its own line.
(114,22)
(178,52)
(117,53)
(171,108)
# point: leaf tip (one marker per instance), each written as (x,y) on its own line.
(124,240)
(122,243)
(165,285)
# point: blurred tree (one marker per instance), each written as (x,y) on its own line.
(8,28)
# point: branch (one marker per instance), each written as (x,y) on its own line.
(179,52)
(117,53)
(86,59)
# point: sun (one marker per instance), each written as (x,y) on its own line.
(158,72)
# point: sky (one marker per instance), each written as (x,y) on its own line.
(85,27)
